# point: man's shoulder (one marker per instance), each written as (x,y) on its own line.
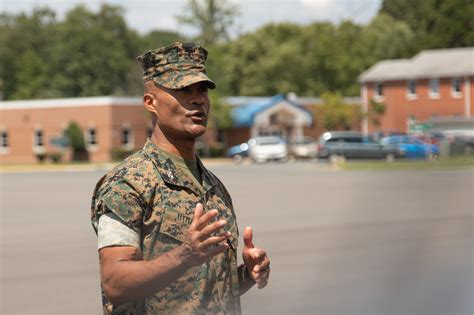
(137,170)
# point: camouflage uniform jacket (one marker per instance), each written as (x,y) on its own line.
(157,200)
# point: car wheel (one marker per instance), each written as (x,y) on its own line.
(433,157)
(333,158)
(390,157)
(237,158)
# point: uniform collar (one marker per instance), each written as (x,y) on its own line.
(174,175)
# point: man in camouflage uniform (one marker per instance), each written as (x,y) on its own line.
(166,226)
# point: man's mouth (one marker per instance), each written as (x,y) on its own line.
(196,116)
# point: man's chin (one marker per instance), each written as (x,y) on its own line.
(197,131)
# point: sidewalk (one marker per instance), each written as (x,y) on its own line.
(83,167)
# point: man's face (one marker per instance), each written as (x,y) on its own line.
(181,113)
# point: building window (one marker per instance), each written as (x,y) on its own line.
(434,88)
(38,138)
(91,137)
(456,87)
(379,90)
(38,141)
(3,141)
(411,89)
(127,137)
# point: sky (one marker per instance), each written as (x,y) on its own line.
(146,15)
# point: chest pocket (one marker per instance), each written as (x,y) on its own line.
(175,223)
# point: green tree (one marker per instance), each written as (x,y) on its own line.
(265,62)
(25,41)
(31,77)
(76,140)
(220,114)
(437,23)
(375,112)
(386,38)
(335,114)
(212,18)
(96,62)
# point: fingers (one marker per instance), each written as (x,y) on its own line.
(200,220)
(248,235)
(211,228)
(197,212)
(257,254)
(216,239)
(262,275)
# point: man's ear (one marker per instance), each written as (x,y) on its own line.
(149,101)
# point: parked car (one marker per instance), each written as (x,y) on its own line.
(238,152)
(303,148)
(429,138)
(411,147)
(262,149)
(352,144)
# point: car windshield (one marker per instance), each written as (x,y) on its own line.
(269,141)
(346,139)
(304,141)
(395,140)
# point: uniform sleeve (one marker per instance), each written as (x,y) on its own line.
(113,232)
(122,199)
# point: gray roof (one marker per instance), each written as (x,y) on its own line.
(438,63)
(71,102)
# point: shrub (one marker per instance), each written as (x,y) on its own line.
(55,157)
(119,154)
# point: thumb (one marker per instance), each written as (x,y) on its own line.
(248,235)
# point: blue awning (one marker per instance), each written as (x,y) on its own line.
(243,116)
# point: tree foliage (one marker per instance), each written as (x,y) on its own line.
(437,23)
(212,18)
(335,114)
(375,112)
(93,53)
(76,138)
(86,54)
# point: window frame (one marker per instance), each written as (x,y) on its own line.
(378,90)
(88,137)
(432,93)
(38,146)
(454,93)
(129,143)
(411,95)
(4,145)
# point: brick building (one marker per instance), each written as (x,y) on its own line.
(28,128)
(432,85)
(287,116)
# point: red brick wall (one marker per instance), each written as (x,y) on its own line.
(399,107)
(21,123)
(107,120)
(135,117)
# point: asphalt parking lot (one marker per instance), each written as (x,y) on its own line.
(341,242)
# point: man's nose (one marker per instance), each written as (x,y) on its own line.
(197,97)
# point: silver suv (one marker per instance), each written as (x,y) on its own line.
(352,144)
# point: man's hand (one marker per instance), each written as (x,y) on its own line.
(256,260)
(201,242)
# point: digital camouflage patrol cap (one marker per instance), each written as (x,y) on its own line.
(176,66)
